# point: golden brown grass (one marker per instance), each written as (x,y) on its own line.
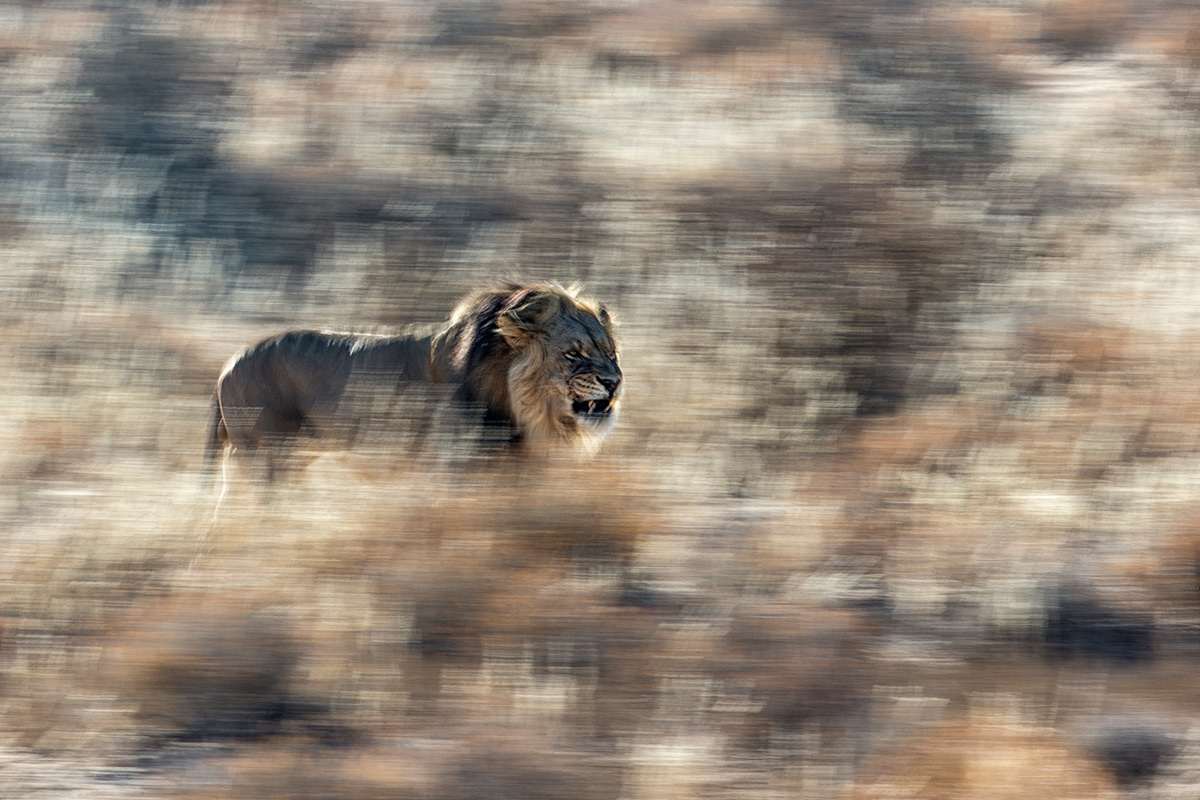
(910,431)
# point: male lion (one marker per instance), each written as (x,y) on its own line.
(534,362)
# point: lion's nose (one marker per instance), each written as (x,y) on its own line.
(610,384)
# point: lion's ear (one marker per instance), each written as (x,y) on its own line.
(531,316)
(606,319)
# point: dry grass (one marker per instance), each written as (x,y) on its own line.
(902,500)
(992,758)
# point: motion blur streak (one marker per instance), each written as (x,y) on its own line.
(903,498)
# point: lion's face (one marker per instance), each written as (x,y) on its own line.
(565,382)
(587,355)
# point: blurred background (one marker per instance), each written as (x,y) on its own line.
(903,501)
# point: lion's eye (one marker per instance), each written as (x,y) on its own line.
(574,355)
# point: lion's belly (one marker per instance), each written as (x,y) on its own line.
(376,408)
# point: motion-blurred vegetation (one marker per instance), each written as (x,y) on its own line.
(901,503)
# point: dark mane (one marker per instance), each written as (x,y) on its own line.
(484,308)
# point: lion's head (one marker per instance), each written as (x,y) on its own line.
(541,357)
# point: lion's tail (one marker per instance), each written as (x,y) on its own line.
(214,442)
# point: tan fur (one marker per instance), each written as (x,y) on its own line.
(534,364)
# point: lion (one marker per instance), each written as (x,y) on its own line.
(534,364)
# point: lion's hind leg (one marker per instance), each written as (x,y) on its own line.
(263,455)
(215,442)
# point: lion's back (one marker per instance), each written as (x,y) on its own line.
(286,370)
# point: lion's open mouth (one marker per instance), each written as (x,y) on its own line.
(592,408)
